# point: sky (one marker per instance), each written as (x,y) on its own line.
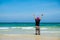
(23,10)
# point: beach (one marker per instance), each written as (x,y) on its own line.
(28,33)
(23,19)
(27,37)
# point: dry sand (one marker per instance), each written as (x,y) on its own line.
(27,37)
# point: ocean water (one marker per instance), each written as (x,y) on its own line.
(28,28)
(28,24)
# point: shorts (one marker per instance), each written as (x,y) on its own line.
(37,24)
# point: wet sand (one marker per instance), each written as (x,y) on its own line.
(27,37)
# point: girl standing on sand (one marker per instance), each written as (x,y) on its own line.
(37,22)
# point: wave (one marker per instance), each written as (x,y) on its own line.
(4,27)
(28,28)
(43,30)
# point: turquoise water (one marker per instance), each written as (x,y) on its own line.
(28,24)
(29,28)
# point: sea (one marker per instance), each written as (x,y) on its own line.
(28,24)
(28,28)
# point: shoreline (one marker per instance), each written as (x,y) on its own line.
(27,30)
(28,33)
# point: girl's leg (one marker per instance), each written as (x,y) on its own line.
(36,31)
(39,32)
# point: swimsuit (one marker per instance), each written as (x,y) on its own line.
(37,21)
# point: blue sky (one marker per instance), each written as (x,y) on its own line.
(22,10)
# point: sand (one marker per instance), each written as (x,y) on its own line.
(27,37)
(29,34)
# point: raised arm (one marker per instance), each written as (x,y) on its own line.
(34,16)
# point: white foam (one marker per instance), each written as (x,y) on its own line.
(13,27)
(43,28)
(4,27)
(27,28)
(33,28)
